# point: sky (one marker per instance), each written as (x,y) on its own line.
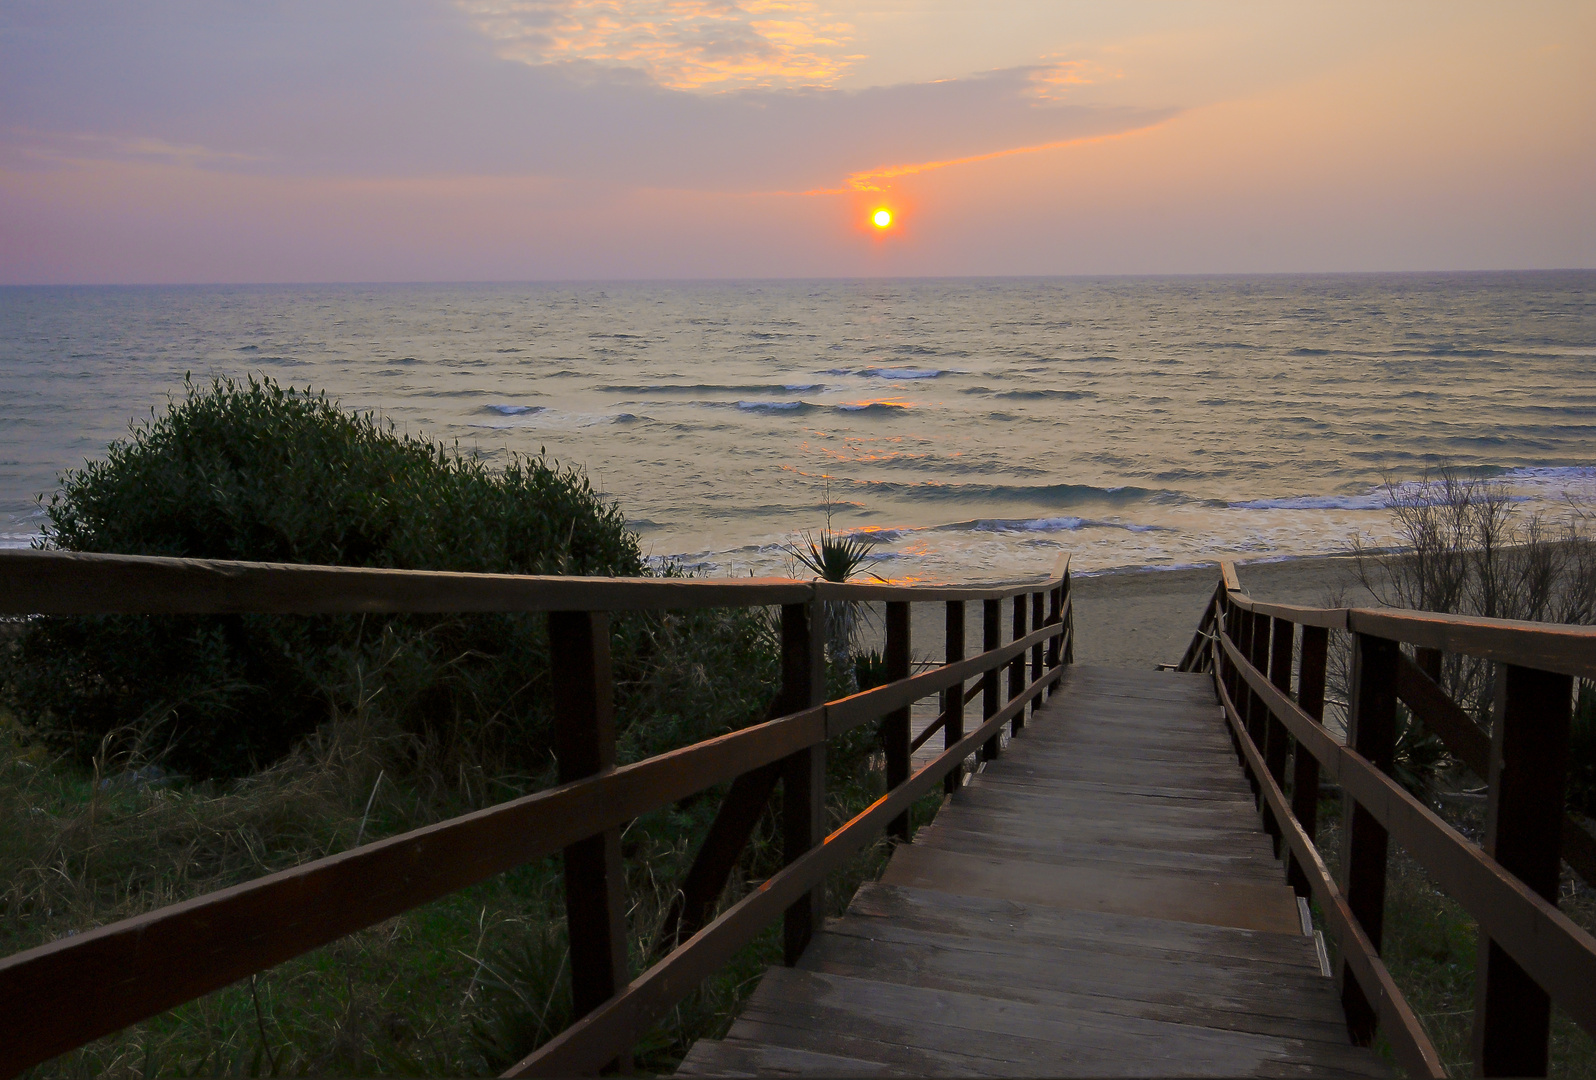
(474,140)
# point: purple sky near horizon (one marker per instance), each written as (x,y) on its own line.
(425,140)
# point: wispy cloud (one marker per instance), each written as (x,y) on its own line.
(83,146)
(1057,77)
(880,179)
(713,45)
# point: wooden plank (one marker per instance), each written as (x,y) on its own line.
(1216,902)
(1565,649)
(739,1057)
(35,582)
(77,583)
(879,911)
(1187,988)
(1019,1038)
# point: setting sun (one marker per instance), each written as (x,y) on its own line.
(882,218)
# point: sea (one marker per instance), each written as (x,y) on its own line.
(971,429)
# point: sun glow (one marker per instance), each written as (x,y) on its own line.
(882,218)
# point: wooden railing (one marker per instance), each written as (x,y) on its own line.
(61,995)
(1531,954)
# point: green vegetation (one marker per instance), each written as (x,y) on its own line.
(254,471)
(146,760)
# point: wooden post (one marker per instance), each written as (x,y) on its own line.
(584,744)
(1017,665)
(1304,767)
(1371,731)
(1246,631)
(803,774)
(1241,637)
(1036,650)
(1429,662)
(895,725)
(1276,738)
(803,679)
(991,638)
(1055,608)
(1523,824)
(1064,593)
(1257,711)
(953,696)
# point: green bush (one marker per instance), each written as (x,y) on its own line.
(257,472)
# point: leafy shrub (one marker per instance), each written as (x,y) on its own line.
(255,471)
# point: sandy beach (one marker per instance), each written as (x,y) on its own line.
(1144,617)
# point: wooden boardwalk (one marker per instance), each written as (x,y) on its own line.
(1101,900)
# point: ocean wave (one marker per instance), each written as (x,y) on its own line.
(1577,473)
(514,410)
(1047,525)
(1064,395)
(892,372)
(1374,500)
(874,407)
(776,406)
(1038,494)
(699,388)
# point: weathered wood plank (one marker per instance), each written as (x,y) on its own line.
(1076,909)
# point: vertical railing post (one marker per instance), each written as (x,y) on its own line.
(1246,644)
(1036,650)
(1065,589)
(1371,731)
(1257,712)
(803,774)
(991,638)
(584,745)
(953,696)
(1055,612)
(1017,665)
(1241,637)
(1523,826)
(1305,767)
(1276,738)
(895,725)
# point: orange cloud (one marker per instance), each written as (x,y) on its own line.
(681,44)
(878,179)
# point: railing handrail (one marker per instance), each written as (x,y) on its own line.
(1567,649)
(1507,885)
(61,994)
(50,582)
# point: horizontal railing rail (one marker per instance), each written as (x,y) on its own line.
(1530,953)
(63,994)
